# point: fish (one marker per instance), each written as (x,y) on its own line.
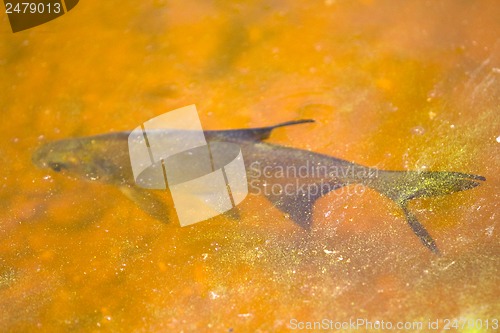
(291,179)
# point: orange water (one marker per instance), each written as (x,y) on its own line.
(392,84)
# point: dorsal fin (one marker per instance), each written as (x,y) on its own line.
(252,134)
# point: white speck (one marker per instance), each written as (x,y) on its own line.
(489,230)
(213,295)
(418,130)
(448,266)
(328,213)
(393,108)
(329,252)
(244,315)
(452,126)
(108,318)
(204,256)
(498,139)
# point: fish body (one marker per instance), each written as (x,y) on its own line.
(292,179)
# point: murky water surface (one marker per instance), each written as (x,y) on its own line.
(411,85)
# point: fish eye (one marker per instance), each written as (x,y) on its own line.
(57,166)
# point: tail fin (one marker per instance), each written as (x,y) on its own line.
(402,186)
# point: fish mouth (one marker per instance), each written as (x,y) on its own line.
(38,157)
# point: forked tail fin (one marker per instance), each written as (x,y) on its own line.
(402,186)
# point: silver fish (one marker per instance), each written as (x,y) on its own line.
(105,158)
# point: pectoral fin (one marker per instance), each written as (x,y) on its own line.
(148,201)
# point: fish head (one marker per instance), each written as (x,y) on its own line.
(74,157)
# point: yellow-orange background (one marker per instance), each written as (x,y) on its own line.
(392,84)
